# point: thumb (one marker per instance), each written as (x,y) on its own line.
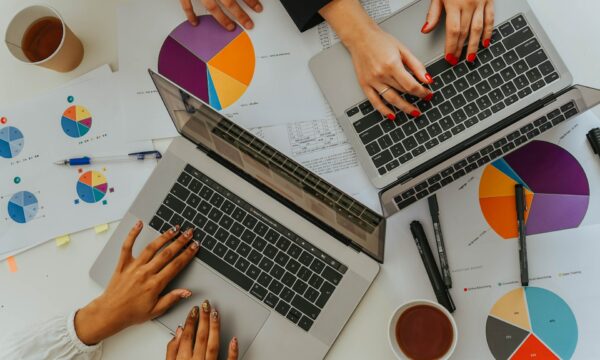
(433,16)
(173,345)
(232,353)
(168,300)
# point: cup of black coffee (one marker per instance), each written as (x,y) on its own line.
(422,330)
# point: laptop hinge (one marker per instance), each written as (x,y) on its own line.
(355,247)
(520,114)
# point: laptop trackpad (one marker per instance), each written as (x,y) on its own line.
(240,315)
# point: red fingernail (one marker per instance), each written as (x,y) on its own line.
(428,97)
(471,57)
(486,42)
(415,113)
(451,59)
(429,78)
(424,27)
(391,117)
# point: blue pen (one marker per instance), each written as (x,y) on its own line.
(86,160)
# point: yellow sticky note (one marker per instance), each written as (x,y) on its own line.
(63,240)
(12,264)
(101,228)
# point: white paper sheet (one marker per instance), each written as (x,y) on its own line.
(485,266)
(60,208)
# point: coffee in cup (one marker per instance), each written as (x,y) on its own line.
(422,330)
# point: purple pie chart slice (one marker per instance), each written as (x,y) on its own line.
(550,212)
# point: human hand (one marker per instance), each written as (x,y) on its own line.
(215,8)
(464,18)
(379,59)
(199,339)
(133,294)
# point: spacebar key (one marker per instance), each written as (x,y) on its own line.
(225,269)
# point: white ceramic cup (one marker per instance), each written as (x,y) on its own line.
(67,56)
(401,309)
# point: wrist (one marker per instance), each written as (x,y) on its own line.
(92,324)
(350,21)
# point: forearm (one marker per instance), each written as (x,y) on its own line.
(349,20)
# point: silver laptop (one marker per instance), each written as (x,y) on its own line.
(480,111)
(285,256)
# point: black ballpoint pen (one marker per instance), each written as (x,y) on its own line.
(521,207)
(434,210)
(439,288)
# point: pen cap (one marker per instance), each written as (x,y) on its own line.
(594,139)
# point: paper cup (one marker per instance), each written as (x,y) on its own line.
(394,320)
(67,56)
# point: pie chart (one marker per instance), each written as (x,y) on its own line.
(92,186)
(531,323)
(76,121)
(11,142)
(208,61)
(556,186)
(23,207)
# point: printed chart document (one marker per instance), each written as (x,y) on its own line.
(555,316)
(40,200)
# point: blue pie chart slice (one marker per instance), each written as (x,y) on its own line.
(23,207)
(12,142)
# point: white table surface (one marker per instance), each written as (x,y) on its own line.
(55,280)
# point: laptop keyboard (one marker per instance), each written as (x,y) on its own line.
(267,260)
(486,155)
(512,68)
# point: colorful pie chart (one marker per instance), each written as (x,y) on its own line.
(208,61)
(11,142)
(556,186)
(23,207)
(531,323)
(92,186)
(76,121)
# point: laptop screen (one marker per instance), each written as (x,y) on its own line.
(303,191)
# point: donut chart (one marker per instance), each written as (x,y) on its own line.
(210,62)
(76,121)
(12,142)
(531,322)
(556,186)
(23,207)
(92,186)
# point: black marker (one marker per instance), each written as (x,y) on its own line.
(521,207)
(439,288)
(594,138)
(434,211)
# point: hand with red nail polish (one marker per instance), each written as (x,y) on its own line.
(134,293)
(200,337)
(465,19)
(385,68)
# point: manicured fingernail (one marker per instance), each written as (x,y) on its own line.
(429,78)
(471,57)
(185,294)
(138,224)
(230,27)
(258,7)
(391,117)
(194,312)
(428,97)
(424,26)
(451,59)
(205,306)
(174,229)
(249,25)
(195,245)
(214,315)
(235,343)
(486,42)
(189,232)
(179,331)
(415,113)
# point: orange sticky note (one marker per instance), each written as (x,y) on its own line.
(12,264)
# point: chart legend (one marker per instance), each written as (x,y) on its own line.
(210,62)
(556,189)
(76,121)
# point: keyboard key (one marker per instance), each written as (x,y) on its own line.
(518,22)
(282,308)
(446,108)
(524,93)
(460,70)
(300,287)
(517,38)
(508,74)
(461,84)
(164,212)
(397,150)
(438,67)
(409,144)
(432,143)
(498,64)
(471,94)
(352,111)
(305,307)
(458,101)
(418,151)
(448,76)
(382,158)
(458,129)
(156,223)
(483,87)
(225,269)
(551,78)
(498,49)
(242,264)
(176,220)
(331,275)
(506,29)
(486,71)
(174,203)
(485,55)
(258,291)
(471,110)
(445,136)
(317,266)
(459,116)
(326,292)
(511,100)
(527,47)
(367,122)
(231,257)
(371,134)
(449,91)
(264,279)
(397,135)
(568,106)
(294,315)
(275,287)
(473,78)
(271,300)
(508,89)
(422,136)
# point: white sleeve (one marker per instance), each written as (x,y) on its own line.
(53,339)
